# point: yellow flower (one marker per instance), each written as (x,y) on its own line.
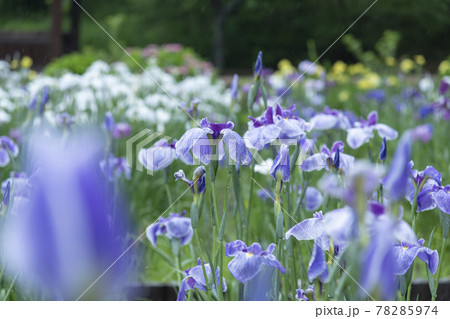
(370,81)
(444,67)
(26,62)
(357,68)
(407,65)
(419,59)
(14,64)
(31,74)
(343,96)
(285,67)
(338,67)
(339,78)
(392,80)
(320,69)
(390,61)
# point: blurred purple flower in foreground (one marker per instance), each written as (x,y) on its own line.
(8,149)
(173,227)
(195,279)
(248,261)
(63,239)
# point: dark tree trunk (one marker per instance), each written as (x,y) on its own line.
(221,12)
(72,38)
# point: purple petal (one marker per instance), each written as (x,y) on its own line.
(151,233)
(245,266)
(272,261)
(258,137)
(313,198)
(324,121)
(442,199)
(386,131)
(358,136)
(236,147)
(178,227)
(314,162)
(430,257)
(4,157)
(187,141)
(232,249)
(318,264)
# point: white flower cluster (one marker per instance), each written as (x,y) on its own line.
(132,96)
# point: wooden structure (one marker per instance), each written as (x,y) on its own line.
(42,47)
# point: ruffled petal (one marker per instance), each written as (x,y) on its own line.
(430,257)
(442,199)
(404,257)
(178,227)
(310,229)
(272,261)
(233,248)
(318,264)
(189,139)
(323,121)
(186,239)
(258,137)
(151,233)
(314,162)
(358,136)
(236,147)
(386,131)
(182,292)
(245,266)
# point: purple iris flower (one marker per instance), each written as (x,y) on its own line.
(442,106)
(121,130)
(64,237)
(280,168)
(173,227)
(423,133)
(248,261)
(444,86)
(198,183)
(275,123)
(431,193)
(377,95)
(396,180)
(8,149)
(115,167)
(16,190)
(360,180)
(161,155)
(195,279)
(65,119)
(109,122)
(329,119)
(311,229)
(313,199)
(362,131)
(383,150)
(258,65)
(32,104)
(303,294)
(328,159)
(44,99)
(199,140)
(404,255)
(234,89)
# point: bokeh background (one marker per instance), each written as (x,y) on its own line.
(229,32)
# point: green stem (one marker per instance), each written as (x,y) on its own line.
(197,242)
(250,199)
(10,287)
(441,257)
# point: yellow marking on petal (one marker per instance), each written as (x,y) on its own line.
(405,247)
(249,254)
